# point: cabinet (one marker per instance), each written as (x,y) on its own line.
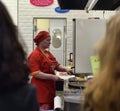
(87,32)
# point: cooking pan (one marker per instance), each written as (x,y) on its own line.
(76,83)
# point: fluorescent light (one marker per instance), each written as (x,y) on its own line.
(91,4)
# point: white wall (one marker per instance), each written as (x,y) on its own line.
(12,8)
(26,13)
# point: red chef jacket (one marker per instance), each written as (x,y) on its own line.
(44,62)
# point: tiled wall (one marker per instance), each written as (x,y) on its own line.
(12,8)
(26,13)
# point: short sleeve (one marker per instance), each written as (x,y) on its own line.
(34,63)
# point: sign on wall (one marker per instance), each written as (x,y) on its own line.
(58,10)
(41,2)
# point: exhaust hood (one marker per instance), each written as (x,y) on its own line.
(89,4)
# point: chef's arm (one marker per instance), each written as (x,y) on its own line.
(45,76)
(64,69)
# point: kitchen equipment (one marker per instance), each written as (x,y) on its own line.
(57,103)
(73,102)
(59,85)
(73,94)
(70,60)
(77,82)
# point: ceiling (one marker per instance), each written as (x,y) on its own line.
(89,4)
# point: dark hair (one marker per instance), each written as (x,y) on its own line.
(13,61)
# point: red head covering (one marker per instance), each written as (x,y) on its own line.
(41,36)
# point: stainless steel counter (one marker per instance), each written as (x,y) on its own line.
(73,98)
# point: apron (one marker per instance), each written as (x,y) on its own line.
(45,88)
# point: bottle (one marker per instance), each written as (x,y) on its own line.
(57,103)
(70,60)
(57,109)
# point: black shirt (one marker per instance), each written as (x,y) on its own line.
(23,99)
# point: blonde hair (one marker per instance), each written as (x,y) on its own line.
(103,94)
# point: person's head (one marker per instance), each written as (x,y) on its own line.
(103,93)
(42,39)
(109,47)
(13,62)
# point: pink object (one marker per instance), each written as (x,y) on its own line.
(41,2)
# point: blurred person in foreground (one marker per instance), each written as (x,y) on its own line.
(15,92)
(103,92)
(43,65)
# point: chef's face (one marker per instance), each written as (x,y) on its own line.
(46,43)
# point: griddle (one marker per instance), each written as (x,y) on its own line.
(74,83)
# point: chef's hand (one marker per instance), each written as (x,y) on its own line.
(69,71)
(55,78)
(64,69)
